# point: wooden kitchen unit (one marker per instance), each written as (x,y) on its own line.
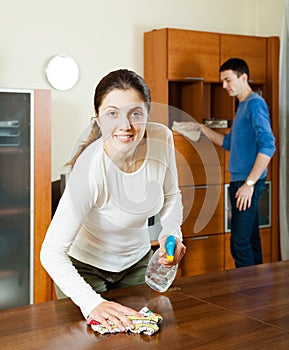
(181,68)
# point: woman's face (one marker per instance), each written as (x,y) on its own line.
(122,120)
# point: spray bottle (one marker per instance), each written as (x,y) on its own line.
(157,276)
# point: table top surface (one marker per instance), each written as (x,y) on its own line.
(245,308)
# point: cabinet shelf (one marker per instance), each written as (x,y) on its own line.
(13,150)
(12,211)
(187,80)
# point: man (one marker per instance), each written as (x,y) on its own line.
(251,146)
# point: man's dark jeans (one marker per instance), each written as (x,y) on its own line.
(245,235)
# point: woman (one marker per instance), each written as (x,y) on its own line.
(98,238)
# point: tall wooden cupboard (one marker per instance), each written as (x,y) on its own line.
(25,194)
(182,70)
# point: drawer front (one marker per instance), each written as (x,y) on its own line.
(203,210)
(204,254)
(198,163)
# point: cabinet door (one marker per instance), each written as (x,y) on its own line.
(198,163)
(203,210)
(265,234)
(25,195)
(204,254)
(193,54)
(250,48)
(16,229)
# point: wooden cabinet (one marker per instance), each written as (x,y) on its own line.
(252,49)
(182,70)
(25,201)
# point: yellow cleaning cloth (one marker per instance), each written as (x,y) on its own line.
(147,324)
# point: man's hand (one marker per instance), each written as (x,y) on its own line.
(244,197)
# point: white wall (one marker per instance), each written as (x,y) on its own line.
(102,36)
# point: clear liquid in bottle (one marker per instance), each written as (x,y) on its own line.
(157,276)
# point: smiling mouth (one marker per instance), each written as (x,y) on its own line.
(123,137)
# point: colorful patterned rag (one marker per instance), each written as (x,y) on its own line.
(147,324)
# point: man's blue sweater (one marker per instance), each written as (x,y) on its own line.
(250,134)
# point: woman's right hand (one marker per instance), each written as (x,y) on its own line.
(109,311)
(180,251)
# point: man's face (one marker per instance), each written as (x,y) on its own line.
(233,84)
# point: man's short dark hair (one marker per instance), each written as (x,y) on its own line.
(237,65)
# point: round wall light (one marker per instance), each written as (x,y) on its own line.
(62,72)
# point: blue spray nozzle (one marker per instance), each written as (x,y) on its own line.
(170,247)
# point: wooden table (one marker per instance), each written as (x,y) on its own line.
(246,308)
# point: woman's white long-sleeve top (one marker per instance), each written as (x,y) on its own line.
(102,217)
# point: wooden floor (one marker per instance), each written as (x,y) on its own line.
(240,309)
